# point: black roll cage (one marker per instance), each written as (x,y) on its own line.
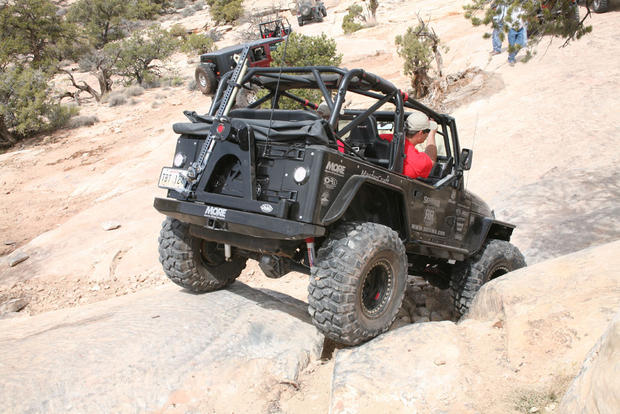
(280,80)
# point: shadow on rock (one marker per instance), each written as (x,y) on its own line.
(269,299)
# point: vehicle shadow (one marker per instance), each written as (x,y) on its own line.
(273,300)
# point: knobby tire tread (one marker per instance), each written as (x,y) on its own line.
(469,275)
(178,258)
(332,291)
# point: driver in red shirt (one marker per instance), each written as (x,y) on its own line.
(419,128)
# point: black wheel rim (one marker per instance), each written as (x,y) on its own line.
(210,255)
(377,286)
(498,271)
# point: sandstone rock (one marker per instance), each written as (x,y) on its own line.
(546,309)
(115,356)
(110,225)
(13,305)
(407,380)
(597,387)
(17,258)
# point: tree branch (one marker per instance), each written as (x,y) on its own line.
(84,87)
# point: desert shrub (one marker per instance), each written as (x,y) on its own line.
(178,30)
(352,21)
(31,32)
(192,85)
(27,105)
(102,19)
(188,11)
(305,50)
(138,55)
(225,11)
(151,81)
(197,44)
(419,47)
(199,5)
(134,90)
(82,120)
(116,99)
(178,4)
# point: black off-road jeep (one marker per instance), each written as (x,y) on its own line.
(280,184)
(309,11)
(215,64)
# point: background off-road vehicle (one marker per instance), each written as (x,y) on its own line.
(215,64)
(327,198)
(309,11)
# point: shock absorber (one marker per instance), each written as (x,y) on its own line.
(310,247)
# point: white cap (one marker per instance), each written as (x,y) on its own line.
(418,121)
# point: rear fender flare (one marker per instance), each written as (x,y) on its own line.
(348,192)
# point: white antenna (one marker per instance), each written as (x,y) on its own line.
(473,144)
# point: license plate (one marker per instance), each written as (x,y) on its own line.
(172,178)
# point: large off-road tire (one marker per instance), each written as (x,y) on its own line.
(600,6)
(358,282)
(205,80)
(300,21)
(193,263)
(323,11)
(305,10)
(496,258)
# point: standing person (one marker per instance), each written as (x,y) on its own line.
(418,128)
(498,25)
(517,35)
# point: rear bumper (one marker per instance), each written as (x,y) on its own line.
(227,220)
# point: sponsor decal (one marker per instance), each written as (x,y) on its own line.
(432,201)
(325,199)
(428,230)
(215,212)
(337,169)
(266,208)
(429,217)
(385,179)
(330,182)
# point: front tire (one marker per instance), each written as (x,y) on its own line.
(358,283)
(205,80)
(193,263)
(496,258)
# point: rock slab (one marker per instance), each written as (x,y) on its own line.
(158,350)
(596,389)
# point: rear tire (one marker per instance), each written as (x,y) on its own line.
(496,258)
(193,263)
(600,6)
(205,80)
(358,283)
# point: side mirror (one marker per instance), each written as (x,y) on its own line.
(465,159)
